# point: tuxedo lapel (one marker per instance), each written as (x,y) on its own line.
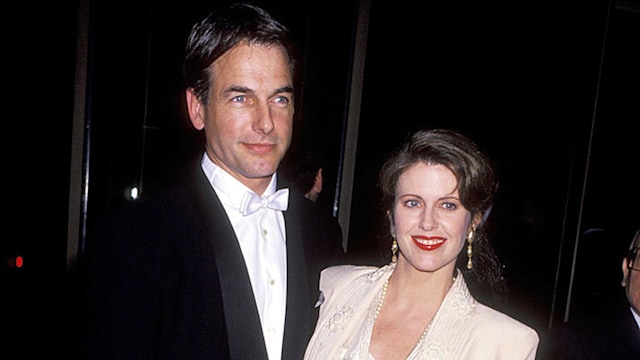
(241,315)
(628,333)
(297,324)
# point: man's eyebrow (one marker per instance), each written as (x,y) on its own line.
(236,89)
(284,89)
(246,90)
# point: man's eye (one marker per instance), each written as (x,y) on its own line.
(239,98)
(281,100)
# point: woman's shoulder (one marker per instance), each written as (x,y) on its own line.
(348,285)
(339,273)
(505,336)
(488,318)
(335,278)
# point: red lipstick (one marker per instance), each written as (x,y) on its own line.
(428,243)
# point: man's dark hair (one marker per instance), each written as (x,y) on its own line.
(220,31)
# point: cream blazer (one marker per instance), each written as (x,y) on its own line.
(462,328)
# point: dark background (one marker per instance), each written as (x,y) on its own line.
(550,89)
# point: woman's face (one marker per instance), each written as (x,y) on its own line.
(431,223)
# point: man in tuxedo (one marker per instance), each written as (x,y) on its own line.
(223,265)
(612,334)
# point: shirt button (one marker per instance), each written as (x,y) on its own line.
(264,232)
(272,282)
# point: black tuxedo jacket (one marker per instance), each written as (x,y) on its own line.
(610,335)
(165,279)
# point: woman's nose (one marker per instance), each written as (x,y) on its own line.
(429,221)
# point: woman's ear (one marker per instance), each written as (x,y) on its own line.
(476,221)
(392,225)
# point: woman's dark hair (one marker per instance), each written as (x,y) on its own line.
(477,185)
(220,31)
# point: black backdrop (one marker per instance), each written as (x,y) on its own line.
(548,88)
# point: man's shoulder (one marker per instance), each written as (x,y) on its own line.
(312,214)
(610,333)
(598,320)
(159,202)
(169,210)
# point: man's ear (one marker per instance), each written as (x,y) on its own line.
(625,272)
(317,181)
(195,108)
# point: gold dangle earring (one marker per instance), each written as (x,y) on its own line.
(394,250)
(470,249)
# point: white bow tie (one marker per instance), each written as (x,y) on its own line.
(251,202)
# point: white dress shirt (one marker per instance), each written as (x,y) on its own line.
(262,239)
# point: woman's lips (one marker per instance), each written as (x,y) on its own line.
(428,242)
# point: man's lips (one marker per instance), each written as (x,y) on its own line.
(428,242)
(259,148)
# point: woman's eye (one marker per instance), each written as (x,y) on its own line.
(449,206)
(412,203)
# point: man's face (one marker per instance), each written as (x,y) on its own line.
(248,120)
(631,280)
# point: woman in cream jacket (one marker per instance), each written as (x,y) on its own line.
(438,189)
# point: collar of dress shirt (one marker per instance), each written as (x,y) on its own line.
(229,189)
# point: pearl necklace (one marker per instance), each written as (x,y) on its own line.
(384,294)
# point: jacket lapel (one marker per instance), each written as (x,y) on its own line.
(241,315)
(297,324)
